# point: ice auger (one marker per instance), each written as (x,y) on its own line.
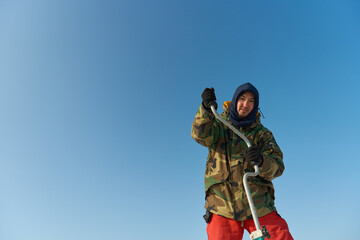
(259,233)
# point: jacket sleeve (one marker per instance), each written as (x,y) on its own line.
(273,165)
(205,129)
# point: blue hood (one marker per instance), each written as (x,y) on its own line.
(234,115)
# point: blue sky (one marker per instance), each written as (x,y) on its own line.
(98,97)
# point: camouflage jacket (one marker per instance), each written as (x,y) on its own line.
(225,166)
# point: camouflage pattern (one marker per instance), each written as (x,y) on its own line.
(225,166)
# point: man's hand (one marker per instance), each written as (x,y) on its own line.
(253,156)
(208,97)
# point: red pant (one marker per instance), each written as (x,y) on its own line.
(220,228)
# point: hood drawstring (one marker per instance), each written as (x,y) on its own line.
(261,113)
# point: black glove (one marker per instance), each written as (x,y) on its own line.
(253,156)
(208,97)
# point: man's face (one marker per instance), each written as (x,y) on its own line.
(245,104)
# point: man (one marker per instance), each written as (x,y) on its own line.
(228,212)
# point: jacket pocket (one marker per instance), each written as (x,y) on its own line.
(216,172)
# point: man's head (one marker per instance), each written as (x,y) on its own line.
(244,105)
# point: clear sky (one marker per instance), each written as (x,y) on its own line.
(97,99)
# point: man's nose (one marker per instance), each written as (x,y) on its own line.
(246,103)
